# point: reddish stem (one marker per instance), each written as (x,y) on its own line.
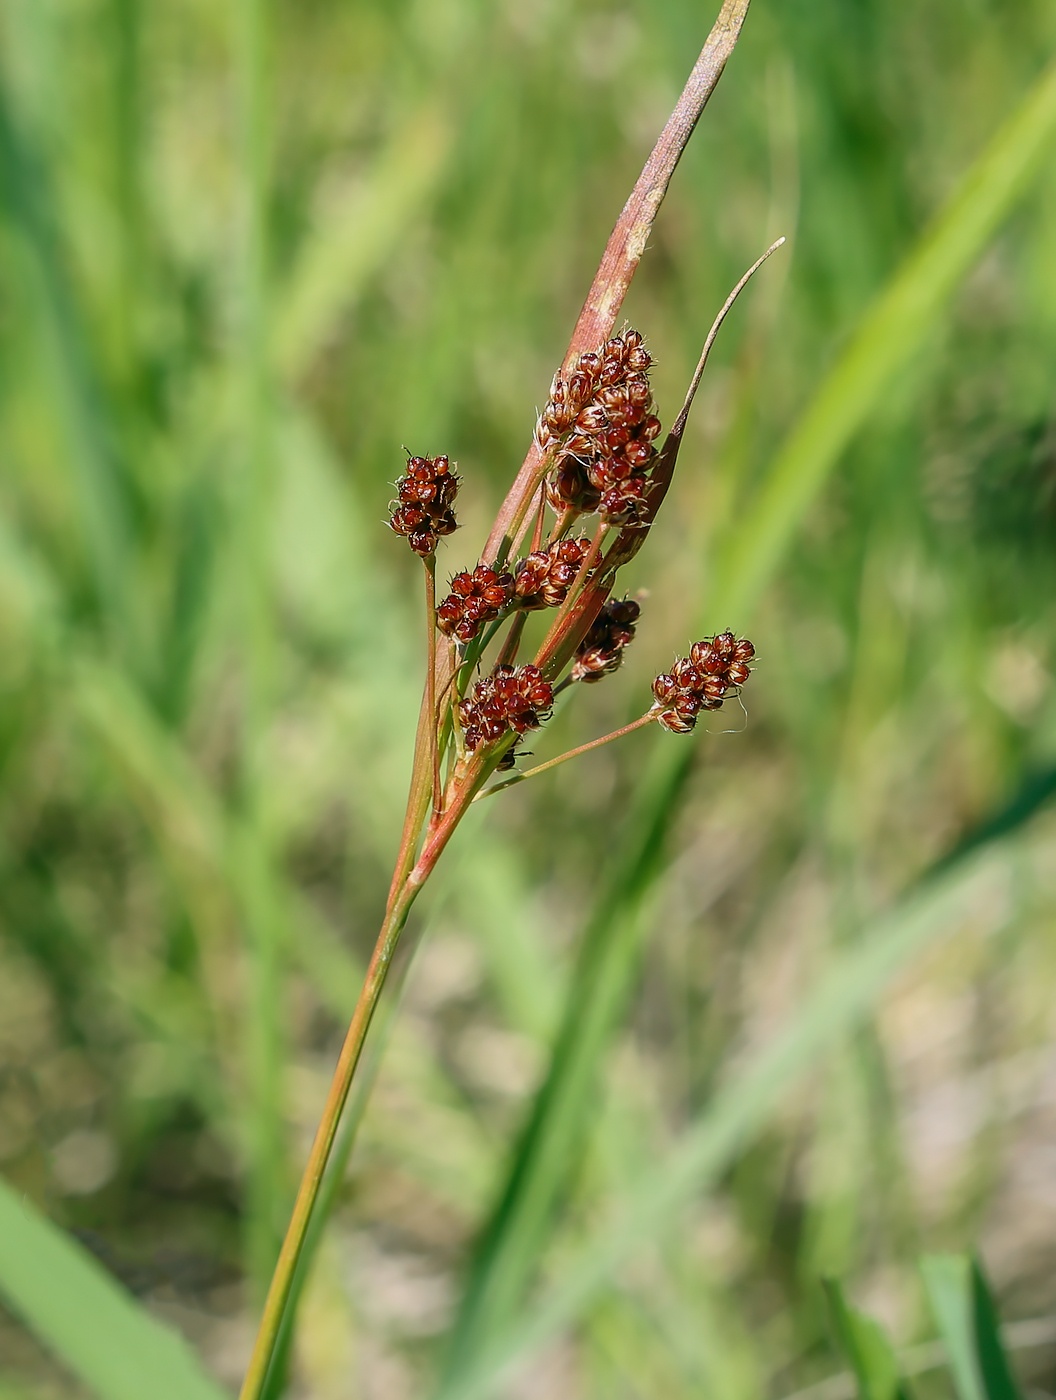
(430,676)
(510,646)
(625,248)
(560,621)
(649,718)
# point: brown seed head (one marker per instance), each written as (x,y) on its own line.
(600,420)
(517,698)
(422,512)
(544,577)
(601,650)
(701,680)
(475,599)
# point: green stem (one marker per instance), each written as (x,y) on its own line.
(536,526)
(437,837)
(282,1279)
(563,524)
(260,906)
(335,1174)
(417,801)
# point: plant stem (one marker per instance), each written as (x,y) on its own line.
(329,1191)
(508,654)
(417,799)
(430,675)
(624,249)
(278,1293)
(563,524)
(649,718)
(537,525)
(540,519)
(440,831)
(261,909)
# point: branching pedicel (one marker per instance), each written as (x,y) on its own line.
(594,456)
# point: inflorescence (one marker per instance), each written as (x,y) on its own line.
(545,576)
(476,598)
(423,511)
(701,680)
(482,595)
(601,650)
(599,424)
(512,697)
(597,433)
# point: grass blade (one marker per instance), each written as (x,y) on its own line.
(948,1280)
(850,988)
(86,1318)
(84,413)
(253,844)
(865,1346)
(889,335)
(989,1348)
(357,239)
(560,1118)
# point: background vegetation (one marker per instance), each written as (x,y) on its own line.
(246,253)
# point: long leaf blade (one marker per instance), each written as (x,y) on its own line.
(865,1346)
(886,339)
(997,1375)
(947,1278)
(107,1339)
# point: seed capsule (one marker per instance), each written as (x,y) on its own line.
(422,513)
(476,598)
(701,680)
(517,698)
(601,650)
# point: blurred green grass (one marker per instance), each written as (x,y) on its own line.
(244,258)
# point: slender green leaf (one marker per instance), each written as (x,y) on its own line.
(997,1375)
(561,1114)
(948,1280)
(866,1347)
(358,237)
(849,989)
(889,335)
(253,849)
(85,415)
(74,1306)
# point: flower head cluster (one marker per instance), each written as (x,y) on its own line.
(476,598)
(601,650)
(517,698)
(701,680)
(600,420)
(423,512)
(545,576)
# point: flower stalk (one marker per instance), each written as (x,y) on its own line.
(592,453)
(648,718)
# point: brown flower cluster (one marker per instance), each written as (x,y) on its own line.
(600,420)
(545,576)
(517,698)
(426,494)
(475,599)
(701,680)
(601,650)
